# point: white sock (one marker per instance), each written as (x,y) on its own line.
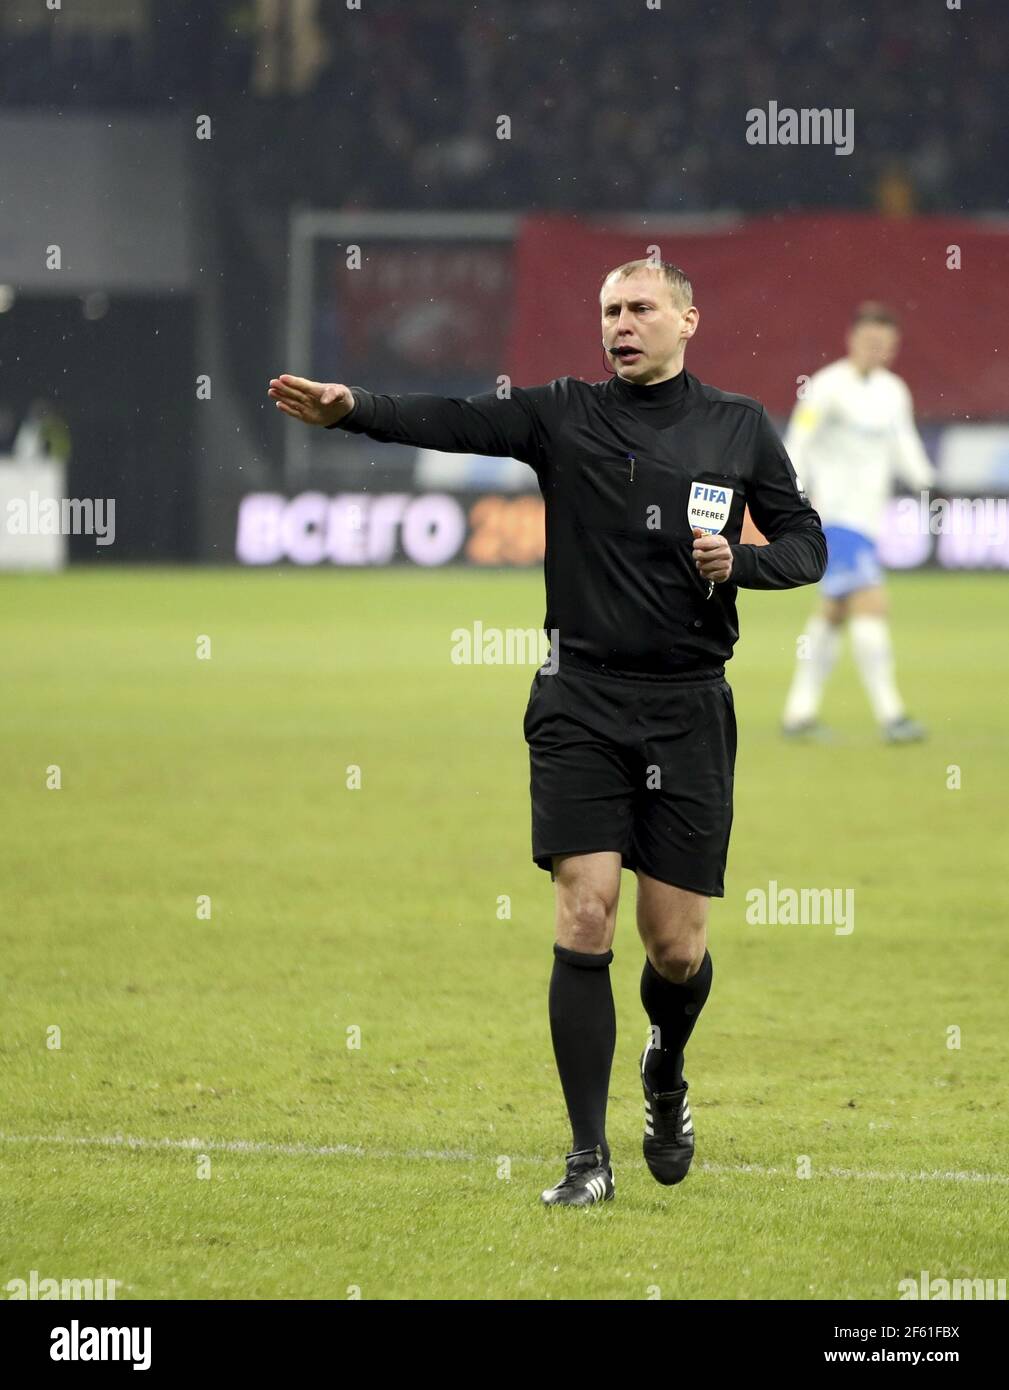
(873,652)
(817,653)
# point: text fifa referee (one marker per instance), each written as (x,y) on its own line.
(645,478)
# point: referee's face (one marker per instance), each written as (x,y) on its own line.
(646,327)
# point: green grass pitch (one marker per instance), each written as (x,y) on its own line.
(276,1160)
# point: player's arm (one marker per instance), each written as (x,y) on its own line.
(515,426)
(803,427)
(796,552)
(910,461)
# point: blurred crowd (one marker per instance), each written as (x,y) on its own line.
(397,103)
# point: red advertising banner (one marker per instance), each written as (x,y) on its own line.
(422,315)
(775,296)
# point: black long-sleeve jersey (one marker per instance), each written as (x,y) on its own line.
(617,464)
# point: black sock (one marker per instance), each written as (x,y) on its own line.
(583,1025)
(672,1009)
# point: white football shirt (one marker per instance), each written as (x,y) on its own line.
(850,437)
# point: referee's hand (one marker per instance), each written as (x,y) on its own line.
(312,402)
(712,556)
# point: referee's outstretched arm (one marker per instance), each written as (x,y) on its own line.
(511,426)
(796,552)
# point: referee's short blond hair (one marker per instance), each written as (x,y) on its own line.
(680,287)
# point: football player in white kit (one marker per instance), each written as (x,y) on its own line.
(850,436)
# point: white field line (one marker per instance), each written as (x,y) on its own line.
(255,1146)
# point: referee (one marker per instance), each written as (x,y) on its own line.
(645,478)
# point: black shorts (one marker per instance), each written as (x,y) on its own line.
(634,764)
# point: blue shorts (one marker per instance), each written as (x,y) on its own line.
(851,562)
